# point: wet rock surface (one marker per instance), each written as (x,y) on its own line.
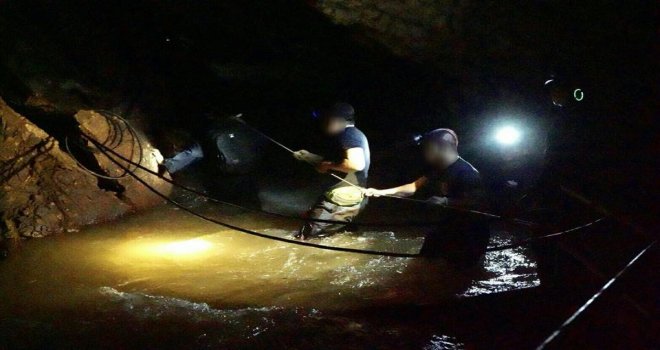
(130,143)
(45,192)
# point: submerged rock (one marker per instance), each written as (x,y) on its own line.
(43,189)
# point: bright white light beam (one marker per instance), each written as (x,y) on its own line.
(507,135)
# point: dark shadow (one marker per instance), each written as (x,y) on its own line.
(65,129)
(13,166)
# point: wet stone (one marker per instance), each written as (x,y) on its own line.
(45,191)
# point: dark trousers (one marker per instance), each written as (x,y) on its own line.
(462,242)
(326,210)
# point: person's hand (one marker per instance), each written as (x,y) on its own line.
(308,157)
(435,200)
(324,167)
(373,192)
(300,155)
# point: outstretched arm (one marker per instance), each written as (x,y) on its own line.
(400,191)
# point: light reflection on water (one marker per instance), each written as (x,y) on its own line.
(248,322)
(505,270)
(444,342)
(167,265)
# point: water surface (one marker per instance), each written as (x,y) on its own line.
(167,279)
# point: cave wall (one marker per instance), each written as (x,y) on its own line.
(489,59)
(44,190)
(504,50)
(407,28)
(454,36)
(132,144)
(408,66)
(484,58)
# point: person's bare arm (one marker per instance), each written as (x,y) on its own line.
(400,191)
(353,161)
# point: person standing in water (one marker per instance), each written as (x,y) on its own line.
(449,181)
(349,158)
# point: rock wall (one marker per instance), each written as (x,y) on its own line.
(408,28)
(43,189)
(131,144)
(477,51)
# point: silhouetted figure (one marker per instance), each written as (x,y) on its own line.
(568,151)
(227,145)
(449,181)
(229,153)
(349,157)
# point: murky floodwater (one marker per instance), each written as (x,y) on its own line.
(167,278)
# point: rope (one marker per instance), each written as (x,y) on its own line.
(237,118)
(251,232)
(202,194)
(288,149)
(539,238)
(303,243)
(86,169)
(260,133)
(115,138)
(591,300)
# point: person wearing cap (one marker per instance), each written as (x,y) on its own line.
(449,181)
(571,143)
(348,158)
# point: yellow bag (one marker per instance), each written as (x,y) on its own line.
(345,196)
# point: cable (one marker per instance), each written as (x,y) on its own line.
(350,250)
(92,172)
(114,143)
(238,119)
(591,300)
(254,233)
(191,190)
(259,132)
(539,238)
(104,149)
(131,129)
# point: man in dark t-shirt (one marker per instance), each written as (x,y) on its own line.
(449,181)
(348,160)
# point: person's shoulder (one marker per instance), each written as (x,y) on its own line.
(353,130)
(465,165)
(468,170)
(354,133)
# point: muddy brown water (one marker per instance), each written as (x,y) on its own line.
(166,279)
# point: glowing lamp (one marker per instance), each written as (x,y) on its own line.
(507,135)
